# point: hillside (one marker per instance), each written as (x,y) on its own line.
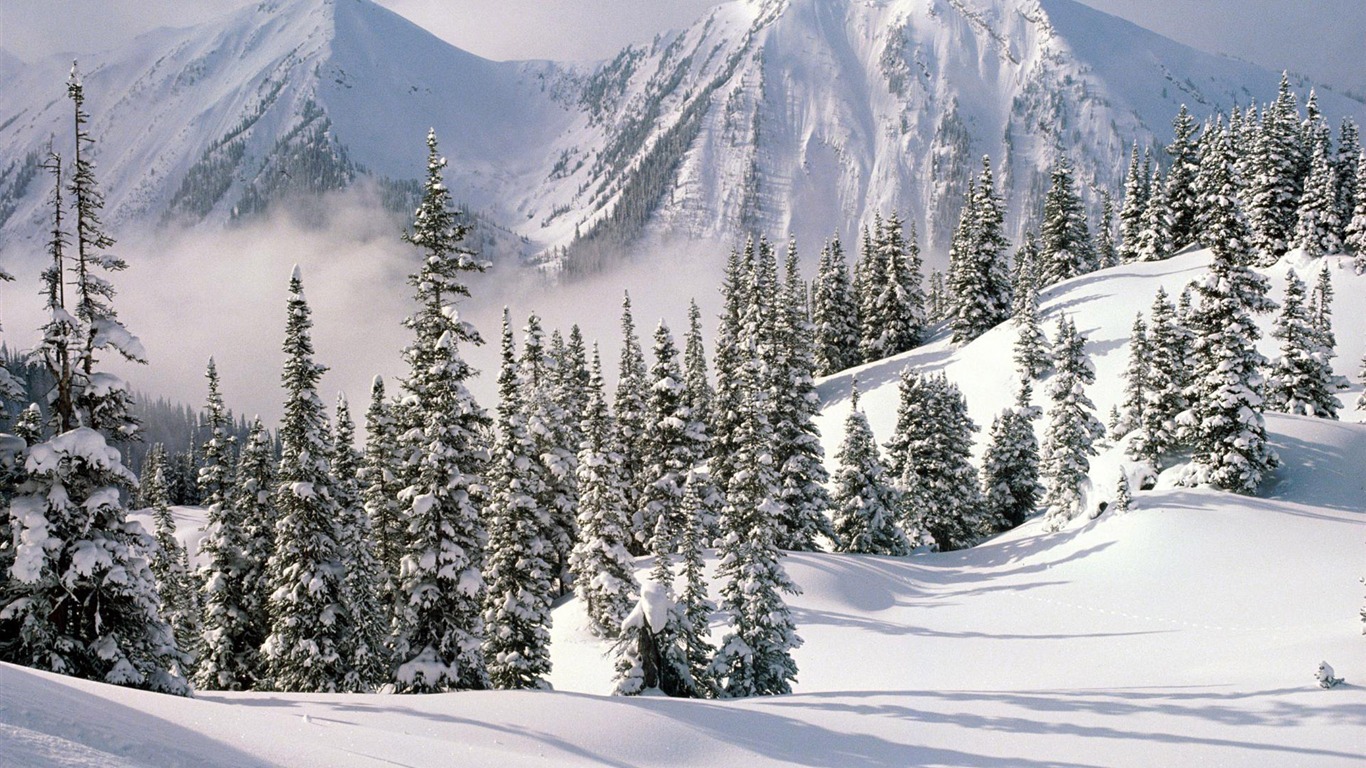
(1184,632)
(800,116)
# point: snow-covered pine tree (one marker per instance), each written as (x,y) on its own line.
(604,574)
(1301,379)
(1107,252)
(517,568)
(1220,217)
(1320,310)
(308,625)
(171,564)
(666,450)
(1123,495)
(1274,186)
(1136,376)
(551,436)
(380,484)
(1065,248)
(755,657)
(1165,383)
(1345,165)
(1010,466)
(364,649)
(1224,425)
(1031,350)
(726,406)
(864,503)
(1181,194)
(699,394)
(1133,208)
(1318,230)
(1356,227)
(1024,275)
(936,301)
(899,307)
(797,451)
(694,619)
(933,437)
(632,408)
(253,501)
(980,284)
(70,503)
(869,273)
(1072,427)
(440,630)
(1154,239)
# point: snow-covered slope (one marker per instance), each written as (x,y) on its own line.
(781,116)
(1184,632)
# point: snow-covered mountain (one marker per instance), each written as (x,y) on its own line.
(781,116)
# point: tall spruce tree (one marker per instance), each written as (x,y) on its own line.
(1355,241)
(604,574)
(380,484)
(1065,249)
(933,443)
(518,569)
(1318,229)
(171,564)
(1136,376)
(1133,208)
(1274,186)
(230,644)
(694,618)
(1220,216)
(899,306)
(864,503)
(1345,165)
(666,450)
(1166,380)
(1072,427)
(980,284)
(365,649)
(797,450)
(1155,237)
(1010,466)
(1181,194)
(63,610)
(1107,250)
(440,628)
(1224,424)
(305,650)
(1301,379)
(549,428)
(632,409)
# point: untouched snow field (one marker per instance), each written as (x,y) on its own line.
(1184,632)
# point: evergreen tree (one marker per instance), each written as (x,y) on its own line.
(632,409)
(364,651)
(230,643)
(1165,379)
(1222,226)
(1274,185)
(797,451)
(1065,250)
(1181,195)
(604,575)
(519,574)
(1356,227)
(726,405)
(694,619)
(1224,424)
(1024,284)
(980,284)
(440,628)
(666,448)
(1031,346)
(1155,238)
(1301,380)
(1318,230)
(171,564)
(1010,466)
(1123,496)
(755,657)
(1107,252)
(1136,377)
(1345,166)
(864,503)
(552,440)
(1133,209)
(899,307)
(933,437)
(380,485)
(1072,427)
(62,609)
(308,632)
(936,301)
(869,273)
(253,501)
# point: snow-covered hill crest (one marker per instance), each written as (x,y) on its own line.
(801,116)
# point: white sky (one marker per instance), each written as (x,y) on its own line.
(1321,38)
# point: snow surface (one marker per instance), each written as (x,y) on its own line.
(1187,631)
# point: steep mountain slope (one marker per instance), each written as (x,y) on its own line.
(781,116)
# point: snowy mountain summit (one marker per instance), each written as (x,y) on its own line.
(801,116)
